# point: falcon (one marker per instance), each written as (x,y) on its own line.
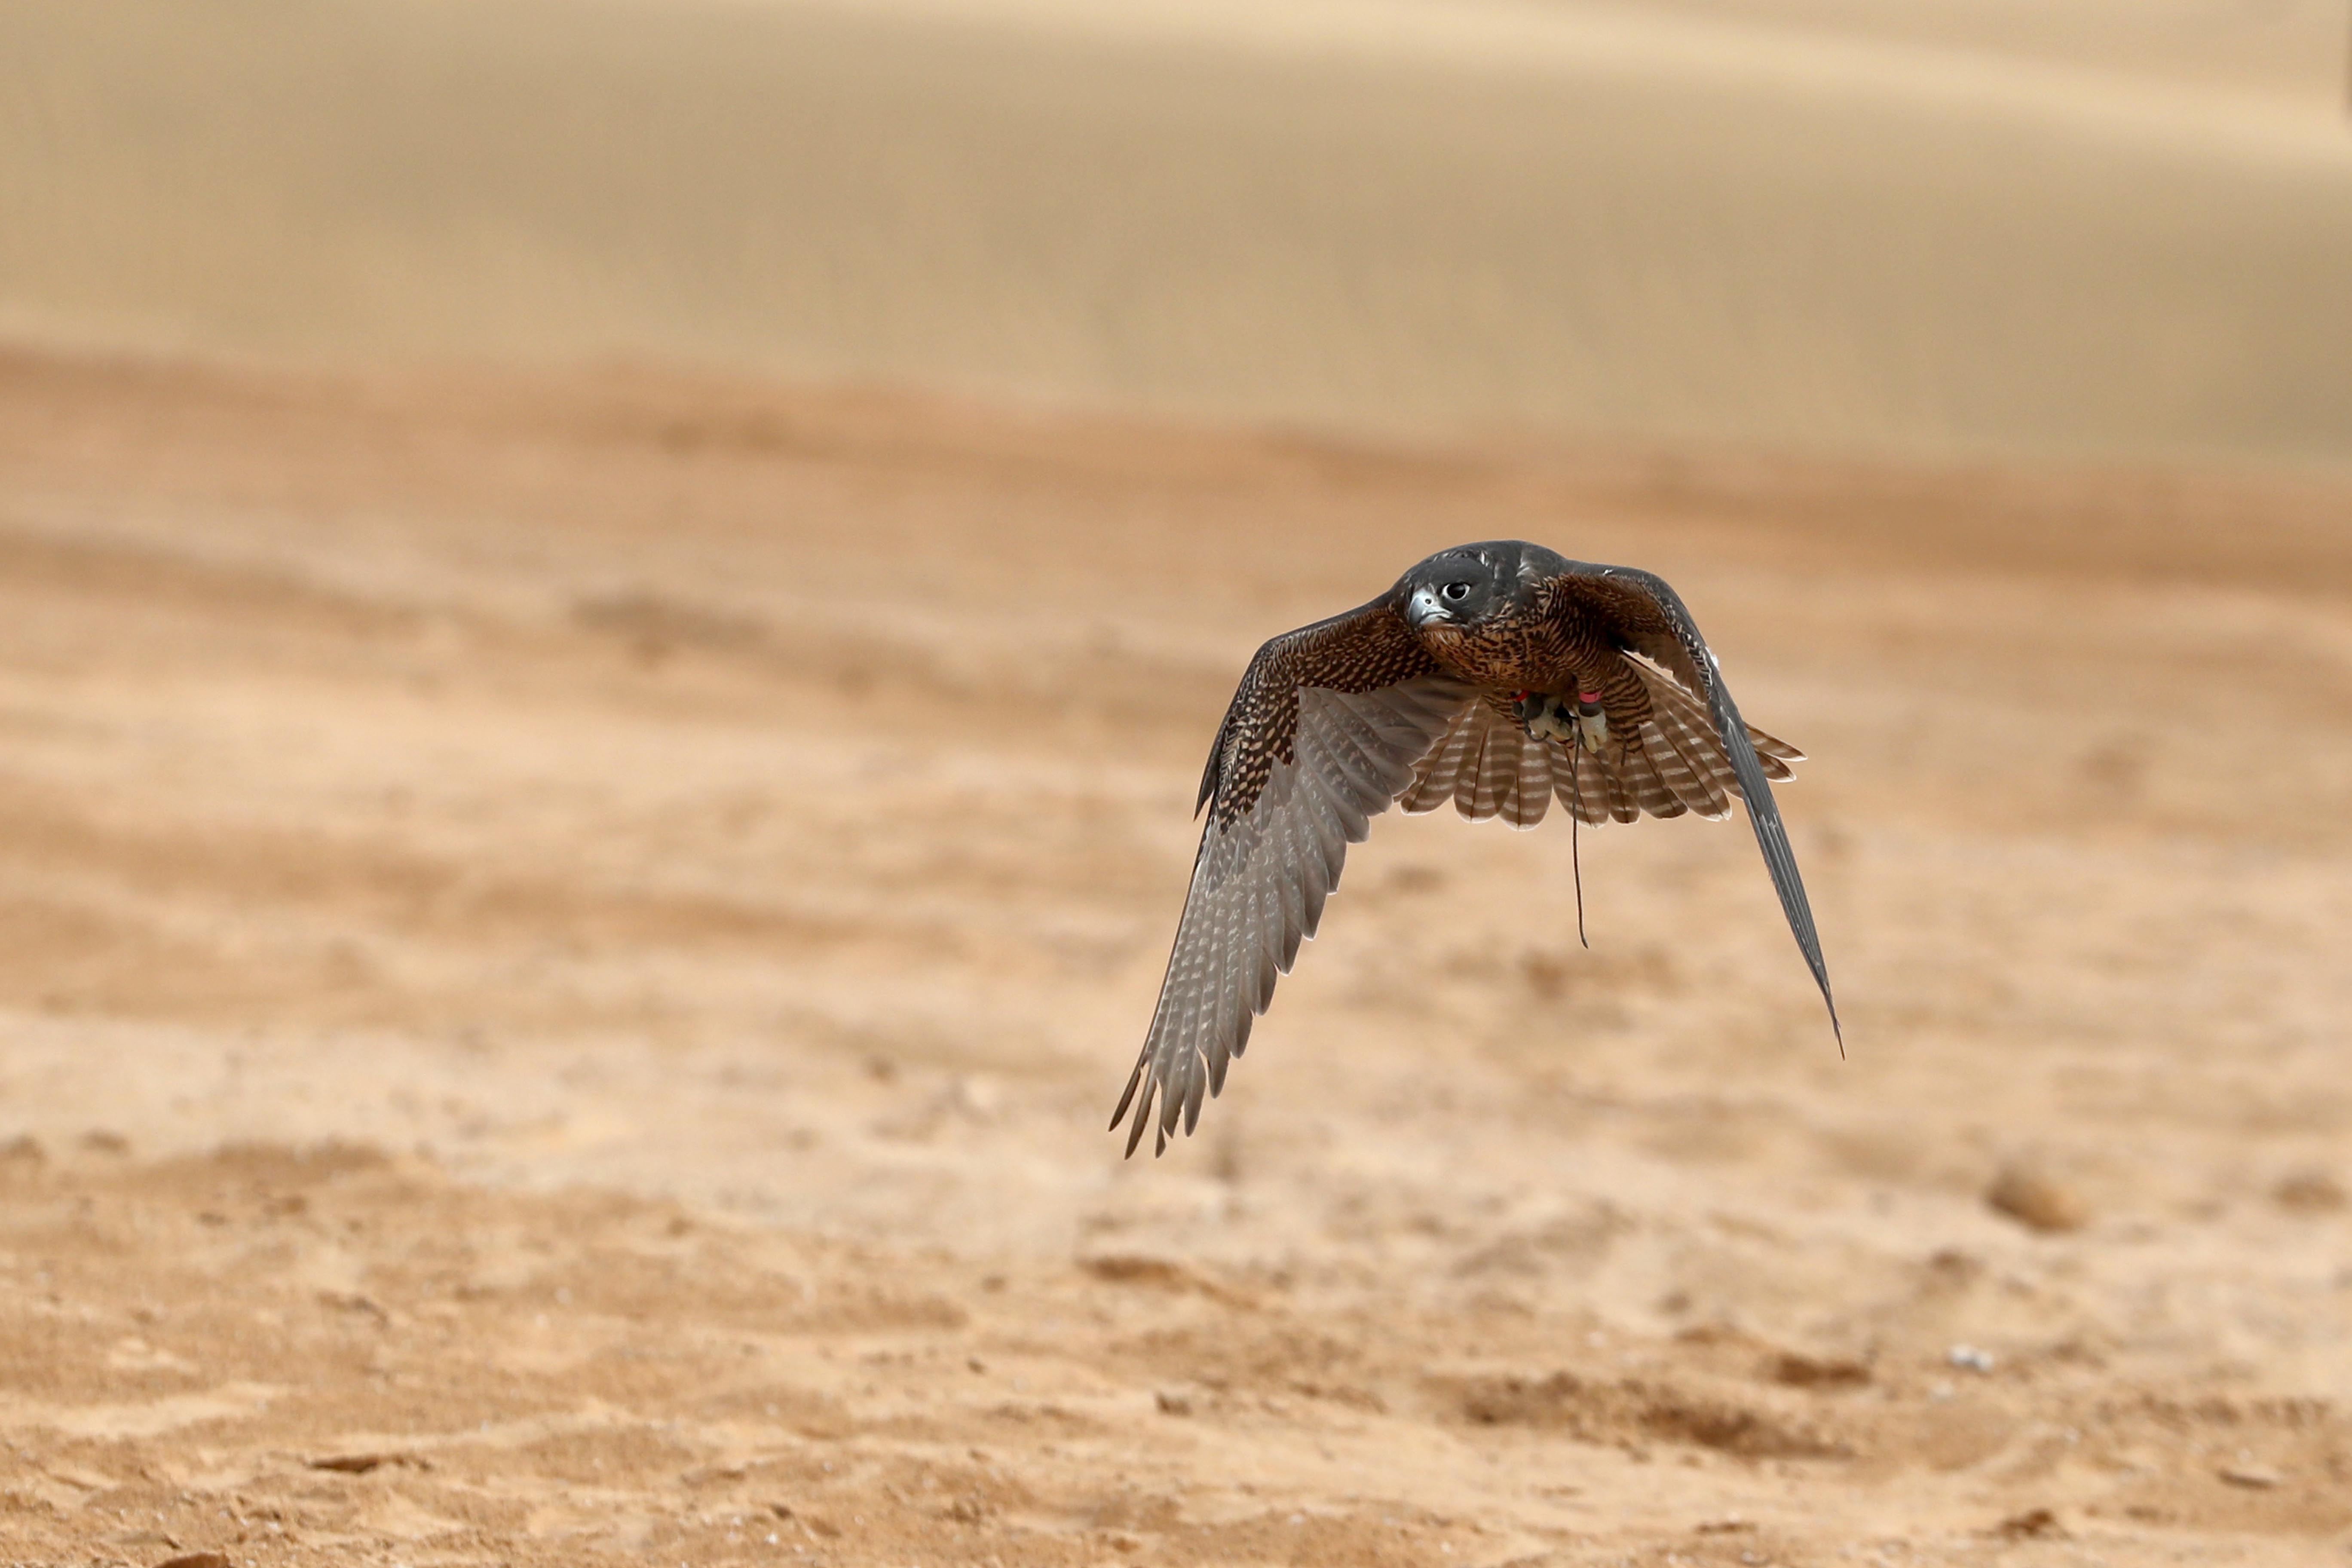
(1498,676)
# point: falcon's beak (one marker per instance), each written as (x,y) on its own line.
(1423,608)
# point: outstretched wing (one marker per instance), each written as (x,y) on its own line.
(1322,736)
(1650,619)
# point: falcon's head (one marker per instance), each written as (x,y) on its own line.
(1462,586)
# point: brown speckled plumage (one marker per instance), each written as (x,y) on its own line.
(1363,650)
(1416,698)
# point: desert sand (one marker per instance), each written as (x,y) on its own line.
(2118,229)
(569,940)
(609,615)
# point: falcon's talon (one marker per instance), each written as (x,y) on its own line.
(1591,720)
(1546,718)
(1578,723)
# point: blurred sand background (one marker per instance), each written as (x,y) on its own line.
(608,615)
(2074,226)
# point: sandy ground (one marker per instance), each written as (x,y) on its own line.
(569,941)
(2112,228)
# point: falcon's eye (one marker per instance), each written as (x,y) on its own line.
(1454,593)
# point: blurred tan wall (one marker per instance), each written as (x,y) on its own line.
(1703,220)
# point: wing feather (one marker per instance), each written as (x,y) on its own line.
(1581,788)
(1622,804)
(1434,786)
(1669,694)
(1690,773)
(1694,775)
(1530,791)
(1487,765)
(1473,786)
(1646,763)
(1645,615)
(1325,733)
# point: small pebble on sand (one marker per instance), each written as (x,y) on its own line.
(2308,1192)
(2036,1199)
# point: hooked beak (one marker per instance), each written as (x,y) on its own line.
(1423,609)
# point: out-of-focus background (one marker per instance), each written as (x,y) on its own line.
(608,615)
(2070,225)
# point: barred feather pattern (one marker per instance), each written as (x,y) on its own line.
(1671,763)
(1260,881)
(1412,698)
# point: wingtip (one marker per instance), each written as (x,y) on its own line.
(1143,1116)
(1134,1080)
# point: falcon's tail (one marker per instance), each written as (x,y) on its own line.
(1488,765)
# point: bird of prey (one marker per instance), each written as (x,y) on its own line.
(1496,675)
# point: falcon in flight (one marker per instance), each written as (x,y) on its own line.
(1495,676)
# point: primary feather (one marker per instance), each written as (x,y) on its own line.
(1415,699)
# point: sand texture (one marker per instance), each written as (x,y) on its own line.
(1944,226)
(569,940)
